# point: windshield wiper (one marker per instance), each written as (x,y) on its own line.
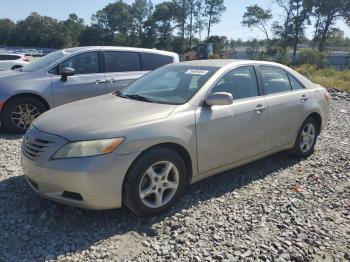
(139,98)
(120,94)
(134,97)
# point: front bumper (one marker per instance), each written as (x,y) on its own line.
(90,182)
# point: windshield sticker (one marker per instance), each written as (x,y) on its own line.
(196,72)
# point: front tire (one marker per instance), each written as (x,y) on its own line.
(306,139)
(154,182)
(16,67)
(19,113)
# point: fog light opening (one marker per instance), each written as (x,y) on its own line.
(72,195)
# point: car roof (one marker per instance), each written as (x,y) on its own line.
(120,48)
(226,62)
(3,53)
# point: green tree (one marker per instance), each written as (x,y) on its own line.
(199,17)
(95,35)
(73,26)
(213,11)
(7,27)
(298,12)
(163,17)
(257,17)
(327,13)
(141,11)
(40,31)
(115,18)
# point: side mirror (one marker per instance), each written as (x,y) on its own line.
(65,72)
(219,99)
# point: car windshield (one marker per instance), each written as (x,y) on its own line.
(44,62)
(173,84)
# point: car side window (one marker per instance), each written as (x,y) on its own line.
(153,61)
(295,83)
(86,63)
(274,80)
(118,61)
(240,82)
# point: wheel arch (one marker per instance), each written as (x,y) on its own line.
(317,117)
(182,151)
(36,96)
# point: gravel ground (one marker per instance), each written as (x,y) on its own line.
(275,209)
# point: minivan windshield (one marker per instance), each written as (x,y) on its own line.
(172,84)
(45,61)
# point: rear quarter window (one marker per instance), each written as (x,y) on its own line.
(153,61)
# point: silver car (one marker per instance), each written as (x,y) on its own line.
(175,126)
(71,74)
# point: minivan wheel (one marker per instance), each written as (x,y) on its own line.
(19,113)
(306,139)
(154,182)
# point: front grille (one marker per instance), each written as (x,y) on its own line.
(34,147)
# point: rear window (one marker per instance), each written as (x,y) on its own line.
(122,61)
(153,61)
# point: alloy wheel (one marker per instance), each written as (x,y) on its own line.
(23,115)
(307,137)
(159,184)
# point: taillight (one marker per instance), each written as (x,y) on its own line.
(25,59)
(327,96)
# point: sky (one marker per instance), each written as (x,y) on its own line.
(230,24)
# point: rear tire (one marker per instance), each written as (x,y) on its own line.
(155,182)
(20,112)
(306,139)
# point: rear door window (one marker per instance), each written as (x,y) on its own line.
(118,61)
(153,61)
(275,80)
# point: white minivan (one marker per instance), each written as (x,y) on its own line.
(69,75)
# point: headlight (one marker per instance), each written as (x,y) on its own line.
(88,148)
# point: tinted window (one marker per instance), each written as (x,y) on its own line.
(122,61)
(294,83)
(9,57)
(274,80)
(86,63)
(153,61)
(240,82)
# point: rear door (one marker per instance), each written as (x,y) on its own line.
(88,81)
(286,105)
(122,68)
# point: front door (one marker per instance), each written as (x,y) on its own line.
(227,134)
(88,80)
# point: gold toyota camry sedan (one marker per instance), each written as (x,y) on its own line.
(141,146)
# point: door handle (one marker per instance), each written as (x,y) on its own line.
(260,108)
(112,80)
(304,98)
(98,82)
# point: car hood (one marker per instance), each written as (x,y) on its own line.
(100,117)
(13,77)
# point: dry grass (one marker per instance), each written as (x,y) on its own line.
(327,77)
